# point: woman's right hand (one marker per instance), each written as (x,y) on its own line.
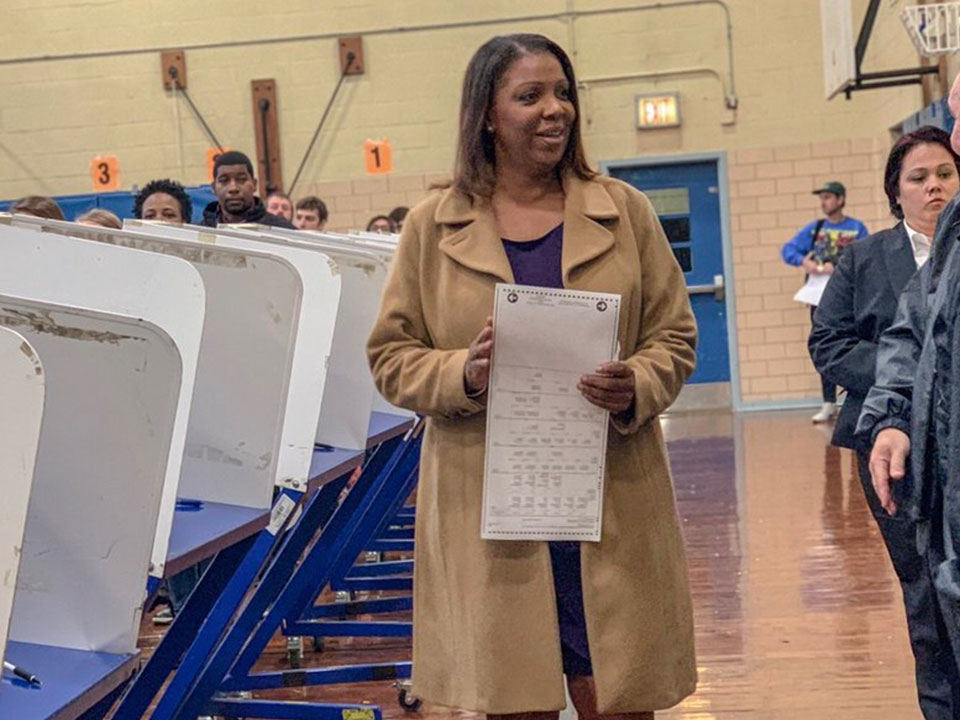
(888,464)
(476,371)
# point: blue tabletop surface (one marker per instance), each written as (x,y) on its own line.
(202,531)
(73,680)
(381,423)
(195,528)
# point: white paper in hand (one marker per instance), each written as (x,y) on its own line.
(812,291)
(546,444)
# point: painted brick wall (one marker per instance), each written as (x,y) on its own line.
(771,199)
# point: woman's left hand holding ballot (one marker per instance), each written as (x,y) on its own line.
(612,387)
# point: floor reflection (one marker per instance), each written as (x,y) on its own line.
(798,613)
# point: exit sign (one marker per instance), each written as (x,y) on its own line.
(658,111)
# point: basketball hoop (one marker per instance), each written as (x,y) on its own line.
(935,28)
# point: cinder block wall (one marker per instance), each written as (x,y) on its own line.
(771,199)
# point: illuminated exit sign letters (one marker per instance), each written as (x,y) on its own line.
(658,111)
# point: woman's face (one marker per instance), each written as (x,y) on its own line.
(928,180)
(532,114)
(162,207)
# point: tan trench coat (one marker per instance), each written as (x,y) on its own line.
(485,618)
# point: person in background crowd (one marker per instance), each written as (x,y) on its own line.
(817,249)
(100,217)
(381,224)
(911,417)
(311,213)
(279,204)
(398,214)
(163,201)
(498,624)
(922,175)
(235,187)
(38,206)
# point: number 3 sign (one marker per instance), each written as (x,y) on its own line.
(105,173)
(379,156)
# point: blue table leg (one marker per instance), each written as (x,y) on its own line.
(299,585)
(218,619)
(141,691)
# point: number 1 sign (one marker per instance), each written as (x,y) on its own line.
(379,157)
(105,173)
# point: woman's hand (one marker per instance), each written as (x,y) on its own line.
(476,371)
(888,464)
(612,387)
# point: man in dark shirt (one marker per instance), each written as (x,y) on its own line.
(235,187)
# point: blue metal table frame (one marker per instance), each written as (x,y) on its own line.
(199,629)
(286,585)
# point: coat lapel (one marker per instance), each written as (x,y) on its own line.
(475,241)
(585,238)
(901,264)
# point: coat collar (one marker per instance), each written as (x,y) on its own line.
(900,261)
(475,241)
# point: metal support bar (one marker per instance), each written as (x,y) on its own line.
(323,119)
(264,107)
(361,607)
(395,567)
(185,625)
(399,584)
(863,39)
(887,84)
(907,72)
(275,710)
(391,545)
(319,676)
(196,111)
(318,628)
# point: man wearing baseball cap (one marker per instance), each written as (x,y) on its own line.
(817,248)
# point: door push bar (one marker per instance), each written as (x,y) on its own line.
(717,288)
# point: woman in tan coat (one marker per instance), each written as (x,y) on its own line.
(498,623)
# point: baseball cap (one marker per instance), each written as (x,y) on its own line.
(832,187)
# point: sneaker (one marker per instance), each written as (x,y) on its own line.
(163,616)
(826,413)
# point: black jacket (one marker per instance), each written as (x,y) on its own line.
(858,305)
(257,215)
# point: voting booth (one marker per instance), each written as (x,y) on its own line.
(321,280)
(22,384)
(183,314)
(349,393)
(118,333)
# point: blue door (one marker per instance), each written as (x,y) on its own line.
(687,200)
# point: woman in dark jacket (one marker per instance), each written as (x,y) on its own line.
(859,304)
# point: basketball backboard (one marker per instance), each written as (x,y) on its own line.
(839,66)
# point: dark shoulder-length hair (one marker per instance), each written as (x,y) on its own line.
(928,134)
(475,168)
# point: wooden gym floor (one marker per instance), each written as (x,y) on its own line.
(798,611)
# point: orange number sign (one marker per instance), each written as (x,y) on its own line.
(105,173)
(379,156)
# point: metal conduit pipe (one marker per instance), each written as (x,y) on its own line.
(730,92)
(730,100)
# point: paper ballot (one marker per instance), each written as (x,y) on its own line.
(812,291)
(546,444)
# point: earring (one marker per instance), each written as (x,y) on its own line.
(489,127)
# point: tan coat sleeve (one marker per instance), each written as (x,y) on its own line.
(407,370)
(665,354)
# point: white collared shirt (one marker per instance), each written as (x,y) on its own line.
(921,245)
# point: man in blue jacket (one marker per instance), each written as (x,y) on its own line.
(817,249)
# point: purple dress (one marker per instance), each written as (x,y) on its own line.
(538,262)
